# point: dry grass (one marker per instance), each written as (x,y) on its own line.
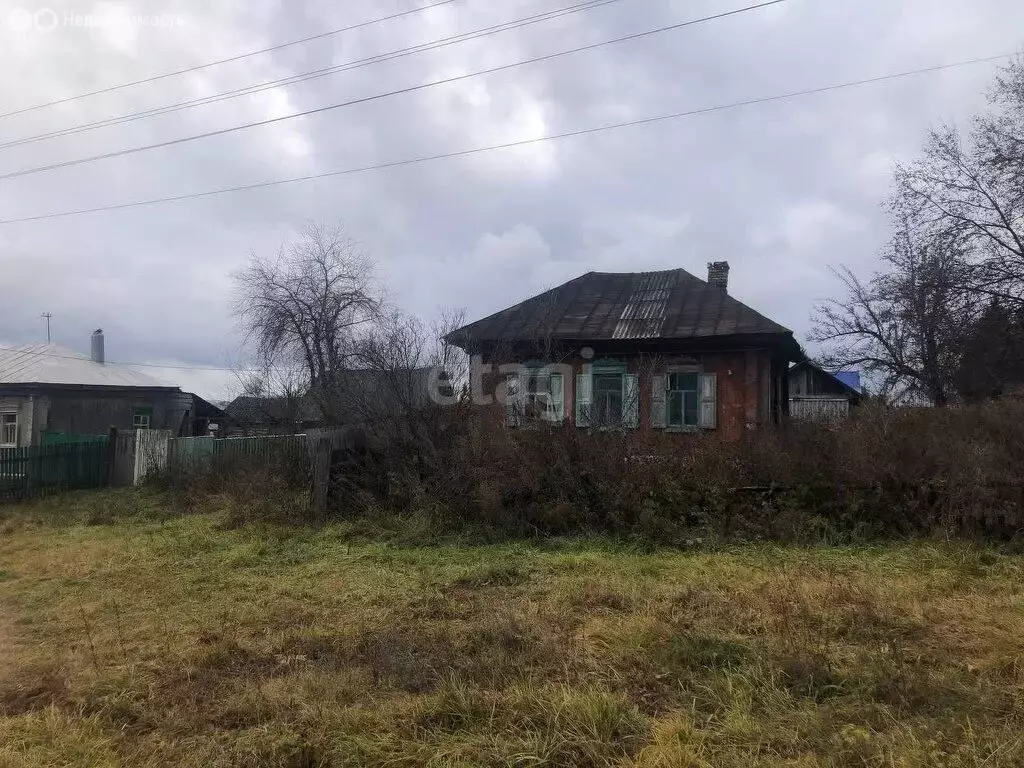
(131,636)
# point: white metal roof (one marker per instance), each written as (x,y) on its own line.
(53,364)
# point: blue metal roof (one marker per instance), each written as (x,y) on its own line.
(849,378)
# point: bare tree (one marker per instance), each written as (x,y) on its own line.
(972,189)
(413,366)
(280,391)
(451,362)
(960,243)
(403,393)
(309,306)
(904,326)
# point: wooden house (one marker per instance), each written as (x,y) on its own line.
(638,350)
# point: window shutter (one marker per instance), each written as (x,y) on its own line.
(513,400)
(557,398)
(584,386)
(630,401)
(658,405)
(708,400)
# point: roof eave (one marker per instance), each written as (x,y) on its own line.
(52,385)
(782,339)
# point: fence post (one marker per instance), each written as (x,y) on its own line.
(33,469)
(111,455)
(321,479)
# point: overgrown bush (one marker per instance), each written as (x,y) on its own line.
(253,487)
(885,472)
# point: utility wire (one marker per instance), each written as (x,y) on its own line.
(312,75)
(240,56)
(388,94)
(521,143)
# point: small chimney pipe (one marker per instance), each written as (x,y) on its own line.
(718,274)
(97,346)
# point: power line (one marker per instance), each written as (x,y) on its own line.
(511,144)
(388,94)
(240,56)
(312,75)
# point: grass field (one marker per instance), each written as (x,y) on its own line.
(130,636)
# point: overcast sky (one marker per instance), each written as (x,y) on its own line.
(781,190)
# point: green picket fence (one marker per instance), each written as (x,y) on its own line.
(266,446)
(193,453)
(61,438)
(27,473)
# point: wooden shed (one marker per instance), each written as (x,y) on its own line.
(817,395)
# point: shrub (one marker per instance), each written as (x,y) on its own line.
(885,472)
(255,487)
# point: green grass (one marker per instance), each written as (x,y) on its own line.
(131,635)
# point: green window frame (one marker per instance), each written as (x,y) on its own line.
(607,396)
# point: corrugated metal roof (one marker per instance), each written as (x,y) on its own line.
(623,305)
(53,364)
(644,314)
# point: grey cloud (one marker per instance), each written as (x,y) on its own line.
(780,190)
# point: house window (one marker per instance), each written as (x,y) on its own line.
(141,418)
(606,396)
(543,396)
(9,430)
(534,395)
(606,402)
(683,399)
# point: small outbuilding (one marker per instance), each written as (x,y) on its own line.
(817,395)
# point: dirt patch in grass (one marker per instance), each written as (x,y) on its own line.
(32,688)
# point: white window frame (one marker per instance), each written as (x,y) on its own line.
(4,443)
(537,401)
(138,418)
(533,397)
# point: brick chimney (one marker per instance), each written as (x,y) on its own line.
(718,274)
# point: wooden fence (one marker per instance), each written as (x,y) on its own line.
(824,410)
(194,453)
(27,473)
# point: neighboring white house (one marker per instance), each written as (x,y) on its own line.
(49,391)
